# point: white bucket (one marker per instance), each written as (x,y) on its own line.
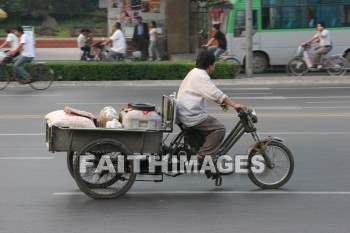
(136,119)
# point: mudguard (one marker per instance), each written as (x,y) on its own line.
(266,141)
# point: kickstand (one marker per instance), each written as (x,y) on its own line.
(218,181)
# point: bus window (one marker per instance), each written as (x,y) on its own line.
(240,23)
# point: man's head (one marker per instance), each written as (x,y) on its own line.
(7,30)
(139,19)
(206,61)
(18,31)
(116,26)
(85,31)
(216,27)
(320,26)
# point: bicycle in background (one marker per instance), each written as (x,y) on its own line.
(335,65)
(42,74)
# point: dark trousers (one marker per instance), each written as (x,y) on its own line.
(214,133)
(142,45)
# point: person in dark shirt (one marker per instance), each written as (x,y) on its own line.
(141,37)
(222,43)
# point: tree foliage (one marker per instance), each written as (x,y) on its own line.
(41,8)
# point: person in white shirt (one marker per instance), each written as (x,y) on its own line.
(324,38)
(191,104)
(26,45)
(12,40)
(119,43)
(153,38)
(83,43)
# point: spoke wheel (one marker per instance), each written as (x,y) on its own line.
(336,66)
(297,66)
(4,77)
(42,75)
(282,166)
(71,155)
(103,184)
(238,65)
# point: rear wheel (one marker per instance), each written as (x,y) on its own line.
(260,62)
(297,66)
(238,65)
(282,166)
(110,182)
(42,75)
(336,66)
(4,76)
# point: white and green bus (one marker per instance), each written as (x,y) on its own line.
(279,26)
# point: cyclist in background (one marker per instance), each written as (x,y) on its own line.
(26,45)
(324,38)
(119,43)
(221,38)
(12,40)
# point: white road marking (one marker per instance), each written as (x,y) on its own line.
(22,134)
(25,158)
(221,192)
(259,98)
(30,95)
(245,89)
(329,102)
(91,103)
(309,88)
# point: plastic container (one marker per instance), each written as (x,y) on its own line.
(137,119)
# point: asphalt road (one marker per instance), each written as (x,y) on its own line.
(38,195)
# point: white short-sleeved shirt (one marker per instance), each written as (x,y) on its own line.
(153,34)
(81,40)
(119,45)
(13,40)
(325,39)
(28,46)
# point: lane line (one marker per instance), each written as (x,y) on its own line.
(57,95)
(25,158)
(289,115)
(329,102)
(22,134)
(17,116)
(90,103)
(221,192)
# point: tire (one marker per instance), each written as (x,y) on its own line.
(297,66)
(113,184)
(43,76)
(284,164)
(260,62)
(336,66)
(4,76)
(238,65)
(71,155)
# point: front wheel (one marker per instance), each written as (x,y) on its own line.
(238,65)
(297,66)
(4,77)
(282,166)
(42,75)
(336,66)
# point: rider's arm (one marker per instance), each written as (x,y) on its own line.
(209,42)
(234,105)
(4,44)
(16,50)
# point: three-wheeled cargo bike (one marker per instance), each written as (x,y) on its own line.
(99,158)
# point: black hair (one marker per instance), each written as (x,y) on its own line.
(154,23)
(216,26)
(85,30)
(7,30)
(204,60)
(19,29)
(139,17)
(322,24)
(118,25)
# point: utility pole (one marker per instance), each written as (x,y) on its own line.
(249,39)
